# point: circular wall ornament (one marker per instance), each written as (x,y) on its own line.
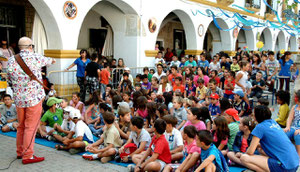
(201,30)
(70,10)
(152,25)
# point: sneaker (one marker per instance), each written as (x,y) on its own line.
(34,160)
(50,138)
(87,157)
(106,159)
(131,168)
(73,151)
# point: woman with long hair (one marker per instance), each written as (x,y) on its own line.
(286,64)
(81,63)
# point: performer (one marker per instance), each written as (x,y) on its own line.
(28,97)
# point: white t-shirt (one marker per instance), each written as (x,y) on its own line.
(272,65)
(242,81)
(143,137)
(81,129)
(158,76)
(177,63)
(174,139)
(213,66)
(68,125)
(161,60)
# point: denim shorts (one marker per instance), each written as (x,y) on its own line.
(276,166)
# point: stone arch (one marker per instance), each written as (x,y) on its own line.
(188,26)
(293,44)
(52,31)
(221,40)
(266,38)
(280,41)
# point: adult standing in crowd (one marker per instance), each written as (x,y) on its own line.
(286,63)
(28,97)
(118,72)
(7,52)
(81,63)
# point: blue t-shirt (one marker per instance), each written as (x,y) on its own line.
(190,64)
(203,64)
(214,110)
(276,144)
(81,66)
(189,90)
(212,150)
(285,69)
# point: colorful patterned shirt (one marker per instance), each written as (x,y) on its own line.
(27,93)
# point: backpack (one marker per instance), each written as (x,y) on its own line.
(224,167)
(128,149)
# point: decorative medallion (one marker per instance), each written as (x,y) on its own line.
(70,10)
(152,25)
(201,30)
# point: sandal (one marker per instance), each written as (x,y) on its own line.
(59,147)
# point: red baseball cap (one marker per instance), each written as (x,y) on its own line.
(234,113)
(214,96)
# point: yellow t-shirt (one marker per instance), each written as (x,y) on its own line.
(234,67)
(283,114)
(112,136)
(201,92)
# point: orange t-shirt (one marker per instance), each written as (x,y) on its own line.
(180,88)
(104,74)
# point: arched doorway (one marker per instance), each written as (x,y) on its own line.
(266,38)
(245,38)
(216,39)
(280,42)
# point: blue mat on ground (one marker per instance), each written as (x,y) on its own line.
(52,144)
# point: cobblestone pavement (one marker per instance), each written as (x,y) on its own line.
(54,160)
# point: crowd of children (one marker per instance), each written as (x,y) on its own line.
(193,115)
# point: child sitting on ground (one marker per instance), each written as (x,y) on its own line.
(80,137)
(92,112)
(50,118)
(201,91)
(174,138)
(214,109)
(220,132)
(210,155)
(138,136)
(213,89)
(242,140)
(232,118)
(97,127)
(194,118)
(123,125)
(8,115)
(154,85)
(283,99)
(141,105)
(190,88)
(146,85)
(229,86)
(158,150)
(191,152)
(76,103)
(205,117)
(178,85)
(258,86)
(239,104)
(106,147)
(179,112)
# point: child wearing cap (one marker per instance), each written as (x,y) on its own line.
(80,136)
(109,143)
(53,116)
(232,118)
(214,109)
(239,104)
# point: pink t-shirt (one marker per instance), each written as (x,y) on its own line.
(142,113)
(224,142)
(199,126)
(205,78)
(191,148)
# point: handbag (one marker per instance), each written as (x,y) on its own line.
(27,70)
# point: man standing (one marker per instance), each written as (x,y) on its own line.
(28,97)
(7,52)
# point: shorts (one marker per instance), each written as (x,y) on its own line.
(10,125)
(276,166)
(59,133)
(48,129)
(229,96)
(162,163)
(292,136)
(92,84)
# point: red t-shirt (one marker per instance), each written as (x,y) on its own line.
(161,146)
(104,74)
(244,145)
(171,78)
(229,91)
(180,88)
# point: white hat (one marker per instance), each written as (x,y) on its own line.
(69,108)
(75,113)
(126,68)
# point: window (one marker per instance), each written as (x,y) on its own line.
(253,4)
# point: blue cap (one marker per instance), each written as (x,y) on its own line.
(239,92)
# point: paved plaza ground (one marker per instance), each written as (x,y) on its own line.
(54,160)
